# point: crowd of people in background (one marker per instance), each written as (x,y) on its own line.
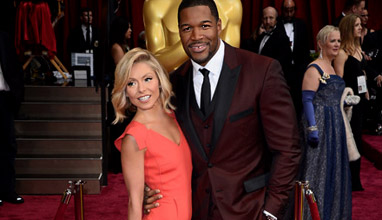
(348,57)
(311,100)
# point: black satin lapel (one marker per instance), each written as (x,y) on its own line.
(225,90)
(184,113)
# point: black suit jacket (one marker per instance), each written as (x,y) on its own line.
(300,52)
(300,57)
(12,70)
(253,120)
(373,42)
(276,47)
(77,43)
(336,22)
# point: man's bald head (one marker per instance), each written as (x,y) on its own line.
(269,18)
(288,9)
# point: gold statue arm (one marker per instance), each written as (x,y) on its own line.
(171,56)
(230,12)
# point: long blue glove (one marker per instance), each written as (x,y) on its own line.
(307,101)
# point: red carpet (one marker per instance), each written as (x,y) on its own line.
(373,149)
(367,204)
(111,204)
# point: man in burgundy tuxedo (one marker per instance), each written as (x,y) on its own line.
(243,133)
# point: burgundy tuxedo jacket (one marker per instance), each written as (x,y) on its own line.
(254,152)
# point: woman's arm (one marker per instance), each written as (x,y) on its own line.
(339,63)
(311,79)
(117,53)
(310,85)
(133,173)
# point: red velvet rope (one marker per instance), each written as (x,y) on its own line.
(312,204)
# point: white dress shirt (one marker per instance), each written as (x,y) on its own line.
(290,33)
(83,27)
(3,85)
(215,66)
(265,39)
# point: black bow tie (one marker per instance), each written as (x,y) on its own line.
(268,33)
(288,21)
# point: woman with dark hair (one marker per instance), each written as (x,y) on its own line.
(365,30)
(120,35)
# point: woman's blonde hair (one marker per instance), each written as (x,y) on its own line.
(324,33)
(120,101)
(349,42)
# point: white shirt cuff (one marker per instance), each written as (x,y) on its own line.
(269,215)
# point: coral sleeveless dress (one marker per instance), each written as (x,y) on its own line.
(168,167)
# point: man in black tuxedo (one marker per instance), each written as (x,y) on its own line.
(274,42)
(84,38)
(351,7)
(296,31)
(11,94)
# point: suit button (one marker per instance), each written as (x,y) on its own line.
(206,126)
(210,165)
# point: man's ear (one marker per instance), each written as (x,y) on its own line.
(219,26)
(353,8)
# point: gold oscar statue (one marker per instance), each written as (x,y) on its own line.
(161,26)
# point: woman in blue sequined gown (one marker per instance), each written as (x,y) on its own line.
(325,162)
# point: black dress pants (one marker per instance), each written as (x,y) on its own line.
(7,144)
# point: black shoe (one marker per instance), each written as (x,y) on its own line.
(1,202)
(12,197)
(378,130)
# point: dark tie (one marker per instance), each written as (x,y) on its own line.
(205,95)
(87,37)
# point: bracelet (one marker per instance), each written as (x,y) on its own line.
(312,128)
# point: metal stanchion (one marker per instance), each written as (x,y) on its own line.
(76,189)
(79,200)
(64,202)
(298,200)
(302,189)
(312,203)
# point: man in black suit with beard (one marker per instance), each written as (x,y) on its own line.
(296,31)
(11,94)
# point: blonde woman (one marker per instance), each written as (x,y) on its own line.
(325,161)
(153,148)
